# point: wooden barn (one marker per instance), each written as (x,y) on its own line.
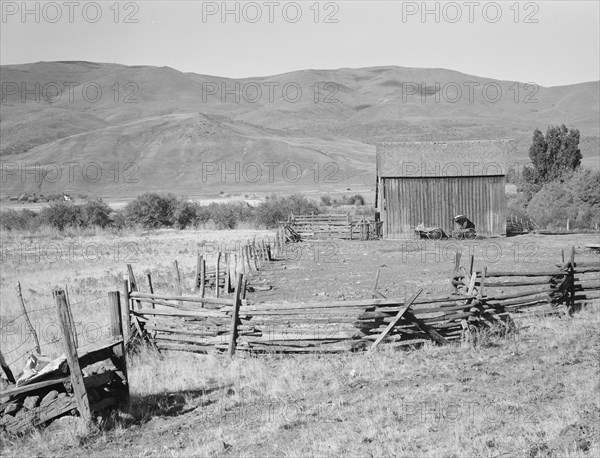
(430,183)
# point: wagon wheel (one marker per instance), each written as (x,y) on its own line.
(436,234)
(470,235)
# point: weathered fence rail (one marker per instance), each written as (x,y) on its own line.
(479,300)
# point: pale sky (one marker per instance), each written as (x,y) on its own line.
(562,47)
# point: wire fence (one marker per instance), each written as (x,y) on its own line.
(17,340)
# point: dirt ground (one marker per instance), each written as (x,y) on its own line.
(338,270)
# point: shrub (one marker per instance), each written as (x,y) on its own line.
(13,220)
(152,210)
(227,216)
(61,215)
(189,214)
(357,200)
(118,220)
(326,201)
(96,213)
(575,197)
(300,205)
(276,209)
(270,212)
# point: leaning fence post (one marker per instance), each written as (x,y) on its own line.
(235,314)
(177,280)
(133,284)
(376,281)
(151,288)
(395,320)
(29,325)
(66,325)
(117,330)
(3,364)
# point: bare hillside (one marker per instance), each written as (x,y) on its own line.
(170,123)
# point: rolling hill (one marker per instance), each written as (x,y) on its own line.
(316,128)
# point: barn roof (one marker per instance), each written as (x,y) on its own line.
(444,159)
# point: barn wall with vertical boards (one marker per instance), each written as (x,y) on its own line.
(407,202)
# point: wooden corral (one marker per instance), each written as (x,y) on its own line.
(431,182)
(194,322)
(218,325)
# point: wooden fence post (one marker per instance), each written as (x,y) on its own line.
(235,314)
(133,286)
(71,314)
(66,325)
(572,280)
(227,287)
(376,280)
(456,270)
(151,288)
(254,254)
(481,282)
(202,277)
(27,320)
(197,277)
(3,364)
(177,280)
(126,318)
(217,273)
(114,310)
(117,330)
(235,268)
(242,267)
(244,287)
(247,256)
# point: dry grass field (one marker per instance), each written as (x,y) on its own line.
(532,393)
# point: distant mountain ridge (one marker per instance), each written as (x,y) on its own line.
(172,124)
